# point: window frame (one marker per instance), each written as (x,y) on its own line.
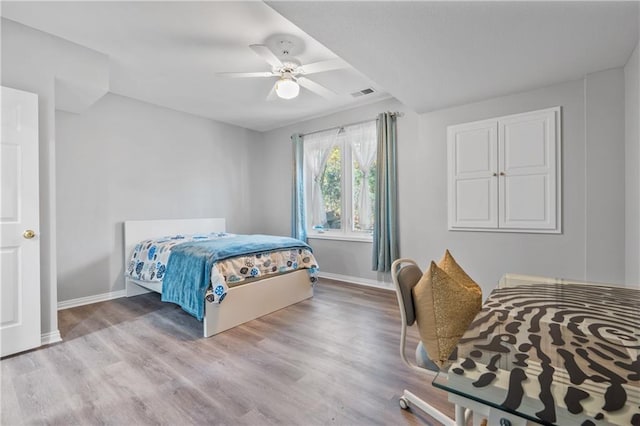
(346,233)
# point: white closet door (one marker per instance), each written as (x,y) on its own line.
(472,157)
(528,168)
(19,223)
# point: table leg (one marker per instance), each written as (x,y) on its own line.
(460,418)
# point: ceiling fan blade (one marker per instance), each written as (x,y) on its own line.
(322,66)
(246,74)
(272,96)
(265,53)
(315,87)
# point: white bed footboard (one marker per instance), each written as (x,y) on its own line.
(255,299)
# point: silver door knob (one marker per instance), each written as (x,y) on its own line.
(29,234)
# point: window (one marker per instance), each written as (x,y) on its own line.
(340,181)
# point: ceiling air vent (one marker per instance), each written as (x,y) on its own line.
(362,92)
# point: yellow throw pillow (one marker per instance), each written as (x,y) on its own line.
(451,267)
(445,308)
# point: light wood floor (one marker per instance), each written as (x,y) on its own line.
(332,359)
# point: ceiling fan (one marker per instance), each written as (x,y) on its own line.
(290,72)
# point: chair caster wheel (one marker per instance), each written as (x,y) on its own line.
(404,404)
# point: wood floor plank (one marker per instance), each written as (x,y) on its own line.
(332,359)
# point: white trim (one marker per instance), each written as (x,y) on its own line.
(356,280)
(50,337)
(330,235)
(81,301)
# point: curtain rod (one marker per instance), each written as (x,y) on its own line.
(393,113)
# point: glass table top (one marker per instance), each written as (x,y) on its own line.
(553,351)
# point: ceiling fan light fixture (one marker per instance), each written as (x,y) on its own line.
(287,88)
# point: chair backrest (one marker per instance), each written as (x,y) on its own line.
(405,277)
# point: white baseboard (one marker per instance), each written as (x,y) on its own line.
(72,303)
(356,280)
(51,337)
(81,301)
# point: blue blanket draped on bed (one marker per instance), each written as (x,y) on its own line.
(189,266)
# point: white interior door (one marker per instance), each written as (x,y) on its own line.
(19,223)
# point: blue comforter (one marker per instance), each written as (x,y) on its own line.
(189,267)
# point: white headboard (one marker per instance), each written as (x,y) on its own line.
(138,230)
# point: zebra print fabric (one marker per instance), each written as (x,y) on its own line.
(558,353)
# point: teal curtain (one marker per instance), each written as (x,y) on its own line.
(385,229)
(298,208)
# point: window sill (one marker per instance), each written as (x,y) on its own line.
(340,237)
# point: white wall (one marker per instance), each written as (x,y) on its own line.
(124,159)
(101,154)
(32,61)
(487,256)
(632,169)
(605,176)
(423,197)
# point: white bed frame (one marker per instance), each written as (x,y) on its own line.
(242,303)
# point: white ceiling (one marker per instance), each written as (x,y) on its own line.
(429,55)
(432,55)
(167,53)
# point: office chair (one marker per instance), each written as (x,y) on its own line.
(405,278)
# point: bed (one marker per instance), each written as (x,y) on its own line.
(243,302)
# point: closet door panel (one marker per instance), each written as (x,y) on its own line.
(472,157)
(527,146)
